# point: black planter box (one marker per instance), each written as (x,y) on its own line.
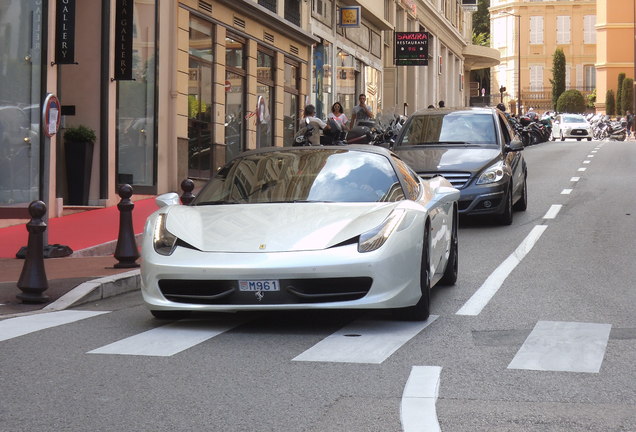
(79,162)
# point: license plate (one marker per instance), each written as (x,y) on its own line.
(259,285)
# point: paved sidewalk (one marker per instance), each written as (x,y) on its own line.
(71,281)
(86,275)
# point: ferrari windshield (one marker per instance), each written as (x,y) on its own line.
(457,127)
(302,175)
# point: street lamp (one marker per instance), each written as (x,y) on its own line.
(518,58)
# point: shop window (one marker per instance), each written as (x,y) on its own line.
(136,155)
(346,81)
(20,109)
(201,158)
(265,70)
(291,109)
(234,96)
(322,79)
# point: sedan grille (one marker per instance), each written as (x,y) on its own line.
(457,179)
(293,291)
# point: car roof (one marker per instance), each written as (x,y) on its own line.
(433,111)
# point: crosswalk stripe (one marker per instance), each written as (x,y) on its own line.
(417,411)
(364,341)
(20,326)
(563,346)
(167,340)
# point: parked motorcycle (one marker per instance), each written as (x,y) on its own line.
(606,129)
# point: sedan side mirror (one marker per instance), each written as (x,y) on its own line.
(515,145)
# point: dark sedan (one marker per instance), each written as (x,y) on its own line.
(476,150)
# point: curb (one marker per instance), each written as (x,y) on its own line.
(97,289)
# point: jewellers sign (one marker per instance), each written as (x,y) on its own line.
(124,40)
(65,32)
(411,48)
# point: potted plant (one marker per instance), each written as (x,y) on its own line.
(78,148)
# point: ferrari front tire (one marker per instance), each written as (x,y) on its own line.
(421,310)
(452,266)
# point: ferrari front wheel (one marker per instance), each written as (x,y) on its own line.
(421,310)
(452,265)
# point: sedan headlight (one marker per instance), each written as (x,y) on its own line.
(375,238)
(163,240)
(492,174)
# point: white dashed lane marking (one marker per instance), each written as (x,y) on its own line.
(489,288)
(564,347)
(553,211)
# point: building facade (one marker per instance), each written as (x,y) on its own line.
(174,88)
(527,34)
(616,46)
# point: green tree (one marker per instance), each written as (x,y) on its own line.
(591,99)
(571,101)
(610,103)
(628,95)
(481,18)
(619,93)
(558,75)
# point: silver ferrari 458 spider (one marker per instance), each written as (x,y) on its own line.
(280,228)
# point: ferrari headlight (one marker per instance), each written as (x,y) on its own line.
(375,238)
(492,174)
(163,241)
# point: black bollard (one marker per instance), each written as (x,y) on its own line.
(33,280)
(126,251)
(187,186)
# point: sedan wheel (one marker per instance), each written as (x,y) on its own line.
(506,217)
(421,310)
(522,204)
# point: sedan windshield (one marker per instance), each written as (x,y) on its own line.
(450,128)
(304,175)
(574,119)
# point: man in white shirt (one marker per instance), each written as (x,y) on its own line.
(318,124)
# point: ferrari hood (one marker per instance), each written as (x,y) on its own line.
(456,158)
(273,227)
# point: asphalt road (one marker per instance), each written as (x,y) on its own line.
(551,345)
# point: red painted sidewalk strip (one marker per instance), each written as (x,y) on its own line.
(79,230)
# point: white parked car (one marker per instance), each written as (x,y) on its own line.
(571,126)
(280,228)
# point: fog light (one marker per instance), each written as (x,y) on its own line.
(487,204)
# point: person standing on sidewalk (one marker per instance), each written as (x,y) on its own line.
(362,111)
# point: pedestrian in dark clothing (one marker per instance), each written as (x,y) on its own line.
(630,123)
